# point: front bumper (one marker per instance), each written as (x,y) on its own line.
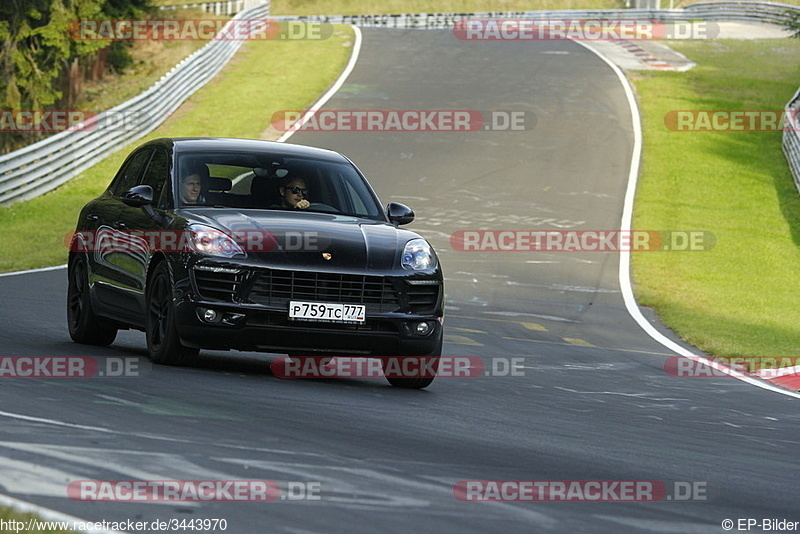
(255,329)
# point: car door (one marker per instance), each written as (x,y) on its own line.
(110,256)
(144,228)
(153,223)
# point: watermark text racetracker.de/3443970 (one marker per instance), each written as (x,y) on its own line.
(34,524)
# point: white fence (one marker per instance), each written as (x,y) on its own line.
(43,166)
(35,169)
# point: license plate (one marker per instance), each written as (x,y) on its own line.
(326,312)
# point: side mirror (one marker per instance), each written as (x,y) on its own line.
(399,213)
(138,196)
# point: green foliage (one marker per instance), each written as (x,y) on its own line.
(39,49)
(793,25)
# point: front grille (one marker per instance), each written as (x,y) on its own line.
(277,288)
(217,283)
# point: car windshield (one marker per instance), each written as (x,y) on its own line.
(263,181)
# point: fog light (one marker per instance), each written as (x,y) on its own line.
(210,316)
(231,318)
(423,329)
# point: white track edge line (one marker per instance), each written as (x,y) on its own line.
(332,91)
(625,256)
(39,270)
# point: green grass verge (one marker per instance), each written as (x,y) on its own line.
(737,299)
(9,514)
(264,77)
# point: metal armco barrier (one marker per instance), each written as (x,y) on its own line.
(791,137)
(769,12)
(43,166)
(38,168)
(229,7)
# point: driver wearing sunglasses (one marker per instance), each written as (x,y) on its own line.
(293,194)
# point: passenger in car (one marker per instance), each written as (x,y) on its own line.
(191,185)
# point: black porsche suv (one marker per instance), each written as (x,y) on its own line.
(208,243)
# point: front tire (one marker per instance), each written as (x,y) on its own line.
(429,363)
(163,342)
(84,326)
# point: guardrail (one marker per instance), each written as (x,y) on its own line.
(791,137)
(35,169)
(43,166)
(769,12)
(228,7)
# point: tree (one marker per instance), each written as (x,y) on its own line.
(41,60)
(793,23)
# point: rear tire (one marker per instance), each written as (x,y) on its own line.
(84,326)
(163,342)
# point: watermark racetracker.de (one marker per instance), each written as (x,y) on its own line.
(73,367)
(579,491)
(403,120)
(197,30)
(396,366)
(581,240)
(196,490)
(476,29)
(53,121)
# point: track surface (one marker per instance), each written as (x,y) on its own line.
(594,403)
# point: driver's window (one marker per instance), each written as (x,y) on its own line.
(128,176)
(157,174)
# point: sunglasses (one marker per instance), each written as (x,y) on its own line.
(297,190)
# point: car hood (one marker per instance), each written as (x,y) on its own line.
(309,240)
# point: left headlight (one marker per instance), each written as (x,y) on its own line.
(418,255)
(213,242)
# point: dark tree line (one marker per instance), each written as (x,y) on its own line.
(42,64)
(793,24)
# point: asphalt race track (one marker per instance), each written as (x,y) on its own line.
(593,401)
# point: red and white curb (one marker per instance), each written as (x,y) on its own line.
(785,377)
(644,56)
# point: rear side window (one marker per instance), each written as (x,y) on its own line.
(131,171)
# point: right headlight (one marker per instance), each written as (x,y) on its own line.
(211,241)
(418,256)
